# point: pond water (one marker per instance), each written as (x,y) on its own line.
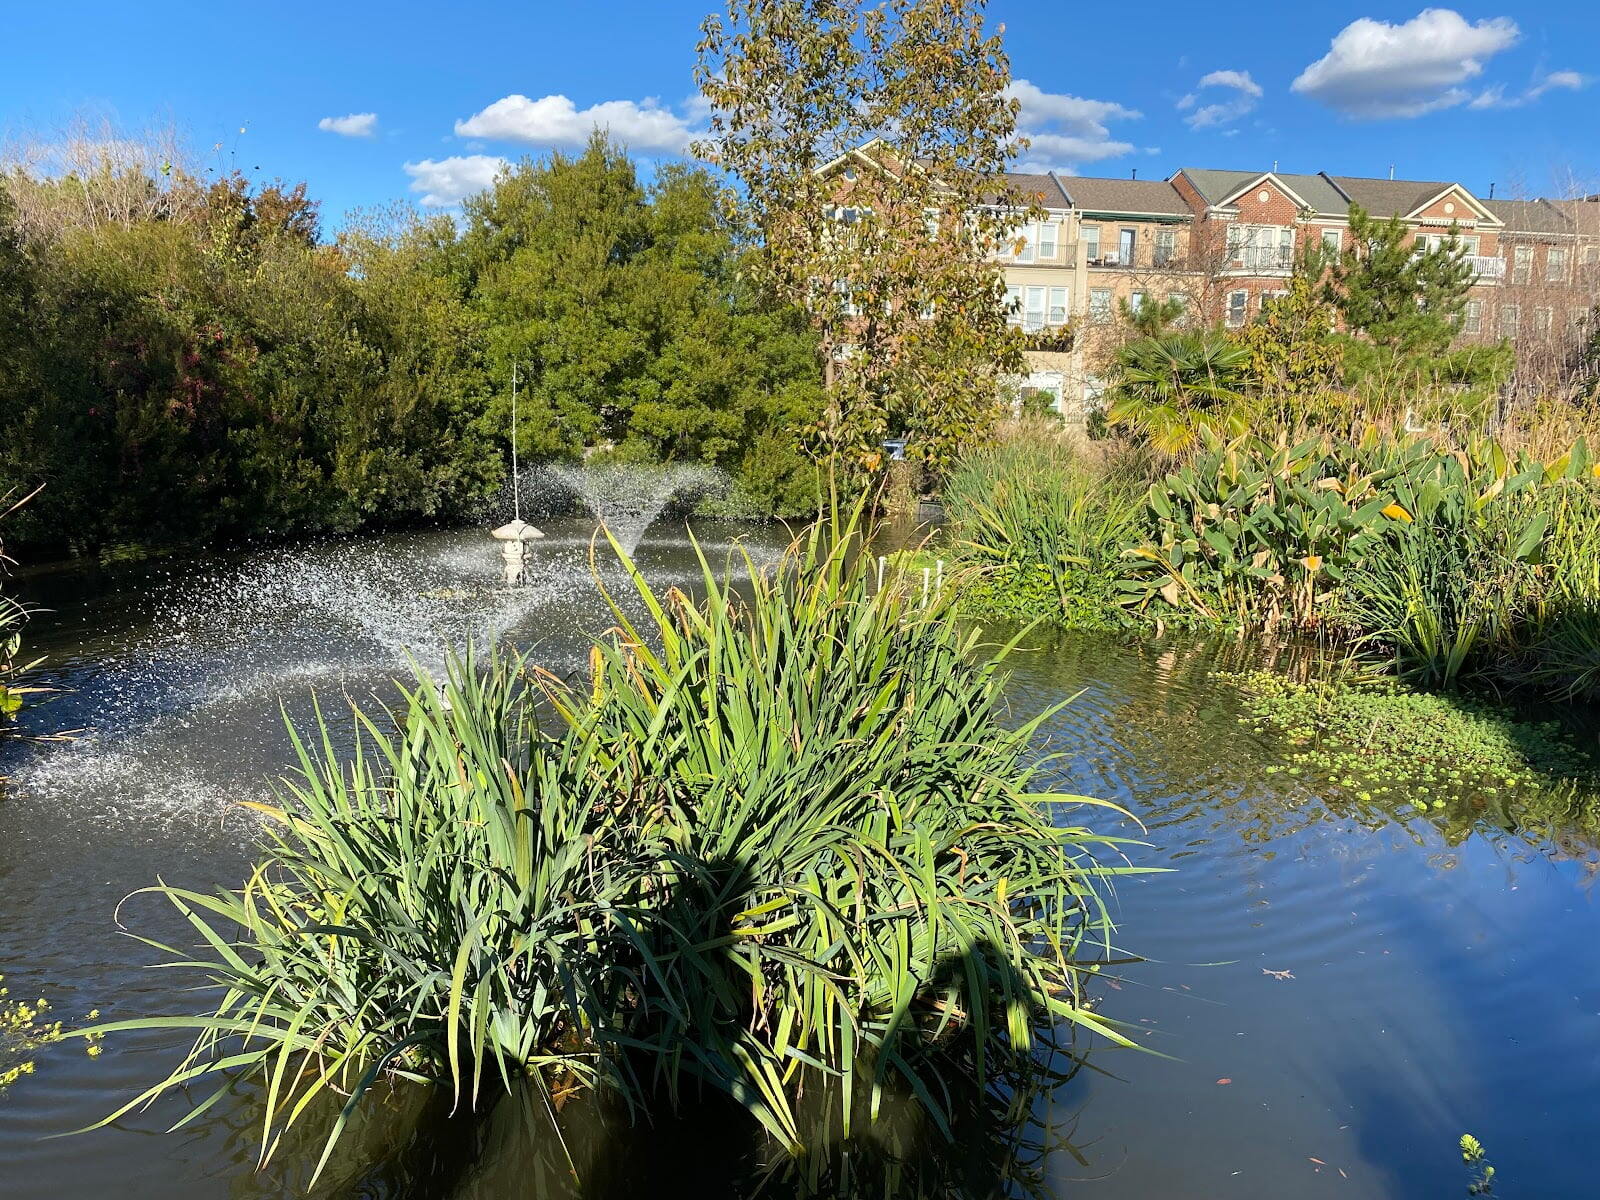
(1338,995)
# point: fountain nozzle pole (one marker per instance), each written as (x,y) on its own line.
(518,533)
(516,481)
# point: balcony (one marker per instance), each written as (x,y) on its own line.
(1487,266)
(1263,259)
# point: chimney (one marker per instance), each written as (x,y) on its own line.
(1491,191)
(1136,172)
(1274,166)
(1391,170)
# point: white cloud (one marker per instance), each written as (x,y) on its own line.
(1065,130)
(1245,92)
(557,121)
(1374,69)
(1496,97)
(446,182)
(354,125)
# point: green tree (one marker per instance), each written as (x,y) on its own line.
(1170,388)
(1405,299)
(634,324)
(870,143)
(1294,352)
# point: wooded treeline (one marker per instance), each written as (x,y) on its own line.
(183,356)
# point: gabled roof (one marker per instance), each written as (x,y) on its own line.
(1131,196)
(1530,216)
(1401,197)
(1219,188)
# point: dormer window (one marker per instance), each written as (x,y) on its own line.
(850,174)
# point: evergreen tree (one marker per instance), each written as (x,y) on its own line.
(1399,297)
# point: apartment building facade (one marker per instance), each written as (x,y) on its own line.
(1225,242)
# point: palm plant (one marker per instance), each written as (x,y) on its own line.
(1170,387)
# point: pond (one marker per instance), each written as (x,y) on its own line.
(1336,994)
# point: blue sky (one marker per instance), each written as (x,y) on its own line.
(371,103)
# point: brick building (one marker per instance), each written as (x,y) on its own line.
(1226,241)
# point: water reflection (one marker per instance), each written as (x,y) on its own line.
(1368,980)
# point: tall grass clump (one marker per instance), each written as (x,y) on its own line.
(780,834)
(1047,521)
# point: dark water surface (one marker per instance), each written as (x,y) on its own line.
(1371,986)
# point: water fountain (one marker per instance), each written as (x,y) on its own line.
(627,497)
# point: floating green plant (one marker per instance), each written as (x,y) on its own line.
(1387,744)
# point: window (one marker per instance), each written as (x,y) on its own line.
(1472,317)
(1521,264)
(847,300)
(1014,305)
(1021,243)
(1238,304)
(1555,263)
(1166,247)
(847,216)
(1261,247)
(1033,309)
(1099,305)
(1035,240)
(1058,306)
(1543,318)
(1591,255)
(1510,318)
(1091,241)
(1136,301)
(1275,294)
(1439,241)
(1333,239)
(1180,303)
(850,173)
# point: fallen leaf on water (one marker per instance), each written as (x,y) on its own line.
(1318,1161)
(1224,1081)
(1279,975)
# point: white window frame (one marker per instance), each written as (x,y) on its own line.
(1090,236)
(1243,297)
(1472,317)
(1100,305)
(1033,308)
(1056,306)
(1049,238)
(1555,264)
(1521,264)
(1434,241)
(1333,238)
(1544,320)
(1510,320)
(1166,246)
(1013,306)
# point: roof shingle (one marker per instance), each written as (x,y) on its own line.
(1132,196)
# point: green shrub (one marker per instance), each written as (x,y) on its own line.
(780,832)
(1046,526)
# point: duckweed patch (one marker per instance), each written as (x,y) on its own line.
(1388,744)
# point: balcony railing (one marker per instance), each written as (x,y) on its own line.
(1262,258)
(1487,266)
